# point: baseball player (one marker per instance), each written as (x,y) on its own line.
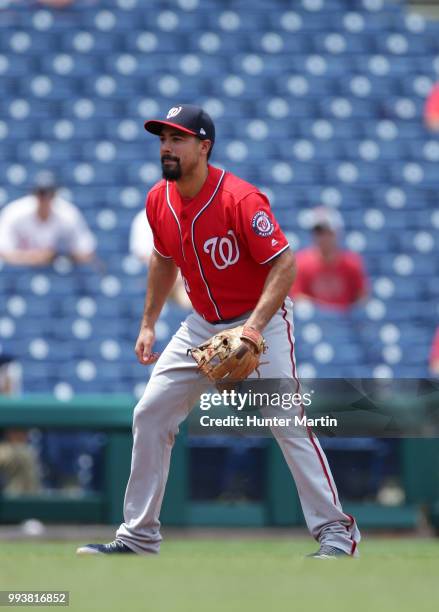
(238,268)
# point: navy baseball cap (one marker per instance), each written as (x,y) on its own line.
(187,118)
(325,218)
(45,182)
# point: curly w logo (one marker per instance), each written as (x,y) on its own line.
(223,251)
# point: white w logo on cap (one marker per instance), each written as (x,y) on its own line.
(173,112)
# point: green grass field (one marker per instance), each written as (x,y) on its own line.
(232,575)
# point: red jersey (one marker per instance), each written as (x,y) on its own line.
(431,109)
(338,283)
(220,240)
(434,352)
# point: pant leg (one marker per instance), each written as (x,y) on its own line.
(307,461)
(173,389)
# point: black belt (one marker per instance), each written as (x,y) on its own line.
(244,315)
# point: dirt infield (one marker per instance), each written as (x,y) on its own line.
(39,531)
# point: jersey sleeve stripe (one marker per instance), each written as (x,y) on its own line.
(275,255)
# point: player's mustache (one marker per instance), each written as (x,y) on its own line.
(169,158)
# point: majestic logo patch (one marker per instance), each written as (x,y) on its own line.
(223,251)
(173,112)
(262,225)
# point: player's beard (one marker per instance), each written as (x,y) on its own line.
(171,173)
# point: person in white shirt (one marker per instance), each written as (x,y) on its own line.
(142,244)
(141,240)
(38,227)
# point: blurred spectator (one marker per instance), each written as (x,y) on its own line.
(434,355)
(10,376)
(36,228)
(327,274)
(20,470)
(431,109)
(141,245)
(141,241)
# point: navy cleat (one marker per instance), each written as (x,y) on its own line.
(115,547)
(328,552)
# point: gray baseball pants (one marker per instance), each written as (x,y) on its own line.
(173,389)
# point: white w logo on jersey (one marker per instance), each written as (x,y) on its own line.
(224,251)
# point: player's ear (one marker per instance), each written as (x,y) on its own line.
(206,145)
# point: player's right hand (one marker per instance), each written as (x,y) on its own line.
(144,344)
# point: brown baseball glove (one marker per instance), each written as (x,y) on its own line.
(232,354)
